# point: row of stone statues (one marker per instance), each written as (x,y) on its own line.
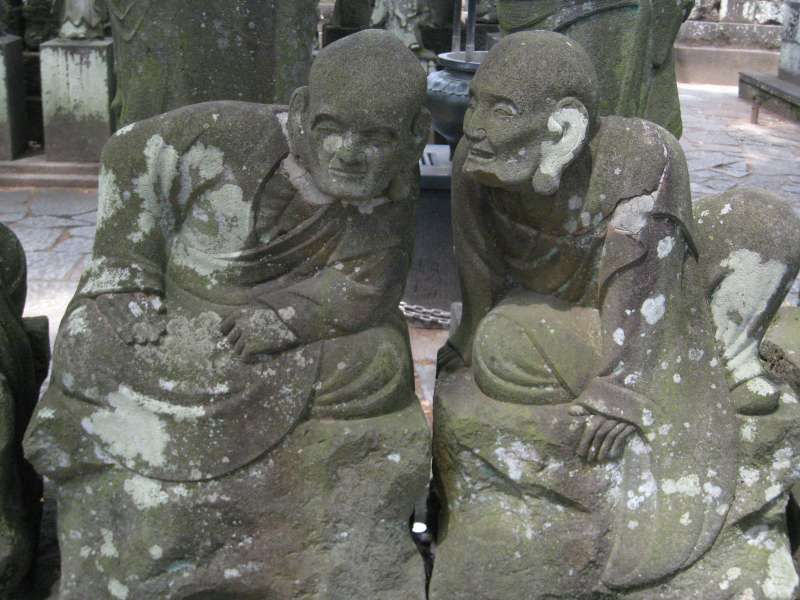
(231,412)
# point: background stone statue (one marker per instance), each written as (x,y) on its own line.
(171,53)
(604,427)
(24,358)
(630,44)
(83,20)
(232,410)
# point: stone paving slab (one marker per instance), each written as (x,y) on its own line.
(723,148)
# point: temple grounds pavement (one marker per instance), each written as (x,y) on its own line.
(723,149)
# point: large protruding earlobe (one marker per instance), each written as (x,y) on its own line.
(569,121)
(298,108)
(421,130)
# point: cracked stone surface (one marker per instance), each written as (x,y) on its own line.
(723,148)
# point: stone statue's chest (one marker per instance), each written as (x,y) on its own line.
(562,265)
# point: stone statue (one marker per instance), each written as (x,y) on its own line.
(83,20)
(171,53)
(402,18)
(232,410)
(604,427)
(24,360)
(629,42)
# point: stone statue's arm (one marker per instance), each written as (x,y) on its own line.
(481,271)
(643,315)
(359,286)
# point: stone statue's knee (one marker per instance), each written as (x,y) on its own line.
(509,367)
(365,374)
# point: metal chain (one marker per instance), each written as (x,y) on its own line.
(426,316)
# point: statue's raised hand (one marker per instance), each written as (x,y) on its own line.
(602,438)
(137,318)
(254,331)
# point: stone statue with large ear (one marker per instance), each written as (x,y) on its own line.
(604,426)
(232,410)
(24,361)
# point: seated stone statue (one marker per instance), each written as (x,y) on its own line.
(24,360)
(232,413)
(603,425)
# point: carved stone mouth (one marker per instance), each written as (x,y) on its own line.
(348,173)
(480,154)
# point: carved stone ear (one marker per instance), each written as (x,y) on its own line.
(298,107)
(570,124)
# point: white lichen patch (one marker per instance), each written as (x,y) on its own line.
(287,314)
(156,552)
(108,549)
(395,458)
(117,589)
(199,165)
(128,429)
(761,387)
(725,210)
(781,581)
(109,200)
(631,216)
(515,457)
(232,574)
(665,246)
(77,323)
(688,485)
(749,476)
(737,305)
(145,493)
(619,336)
(47,413)
(653,309)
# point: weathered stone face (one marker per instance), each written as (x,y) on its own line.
(509,117)
(604,426)
(232,409)
(355,143)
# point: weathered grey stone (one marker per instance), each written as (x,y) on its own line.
(604,426)
(77,90)
(630,46)
(24,361)
(83,19)
(763,12)
(781,346)
(13,121)
(172,53)
(232,409)
(789,68)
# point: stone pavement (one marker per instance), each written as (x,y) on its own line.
(724,149)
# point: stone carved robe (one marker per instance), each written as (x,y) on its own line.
(629,254)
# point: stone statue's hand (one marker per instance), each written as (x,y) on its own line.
(448,360)
(136,317)
(602,438)
(254,331)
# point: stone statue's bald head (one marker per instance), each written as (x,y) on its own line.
(371,72)
(541,68)
(362,119)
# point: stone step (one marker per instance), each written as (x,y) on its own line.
(47,180)
(37,165)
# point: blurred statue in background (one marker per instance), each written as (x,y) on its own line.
(83,20)
(630,44)
(24,359)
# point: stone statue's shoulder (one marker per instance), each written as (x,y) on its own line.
(243,133)
(631,158)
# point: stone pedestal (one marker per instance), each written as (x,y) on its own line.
(12,98)
(77,89)
(790,47)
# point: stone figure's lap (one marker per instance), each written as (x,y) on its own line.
(534,350)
